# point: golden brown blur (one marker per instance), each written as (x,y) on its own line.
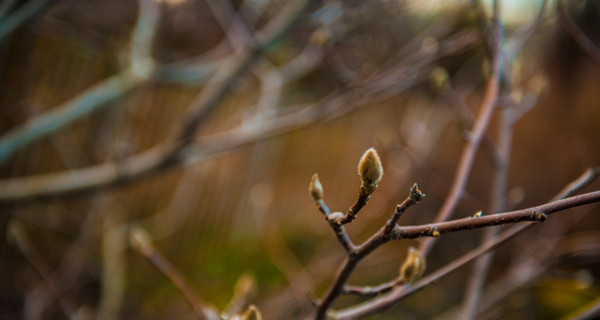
(155,156)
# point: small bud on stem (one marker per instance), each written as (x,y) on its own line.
(413,266)
(315,188)
(370,171)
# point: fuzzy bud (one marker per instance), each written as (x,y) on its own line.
(315,188)
(370,168)
(413,266)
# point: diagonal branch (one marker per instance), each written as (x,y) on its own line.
(584,42)
(11,22)
(470,150)
(141,69)
(142,242)
(374,89)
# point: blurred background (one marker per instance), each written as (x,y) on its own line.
(405,77)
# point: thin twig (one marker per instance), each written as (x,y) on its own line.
(371,291)
(481,266)
(470,150)
(537,213)
(16,232)
(27,11)
(356,255)
(584,42)
(339,229)
(139,71)
(141,242)
(114,265)
(516,272)
(467,119)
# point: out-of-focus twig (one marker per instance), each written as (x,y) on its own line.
(167,154)
(10,22)
(374,89)
(16,232)
(481,266)
(114,265)
(141,241)
(586,44)
(470,150)
(140,70)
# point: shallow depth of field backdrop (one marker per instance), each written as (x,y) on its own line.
(404,77)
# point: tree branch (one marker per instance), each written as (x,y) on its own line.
(530,214)
(584,42)
(140,70)
(355,256)
(141,242)
(397,78)
(470,150)
(386,301)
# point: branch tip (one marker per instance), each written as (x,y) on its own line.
(416,195)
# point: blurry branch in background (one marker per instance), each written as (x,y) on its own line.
(477,132)
(371,172)
(141,242)
(163,155)
(16,233)
(499,180)
(140,70)
(398,77)
(526,268)
(12,18)
(567,23)
(244,288)
(441,81)
(114,266)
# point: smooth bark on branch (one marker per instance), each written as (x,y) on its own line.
(530,214)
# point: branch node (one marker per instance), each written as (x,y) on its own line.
(477,214)
(434,232)
(335,218)
(538,216)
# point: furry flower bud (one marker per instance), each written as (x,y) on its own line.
(413,266)
(315,188)
(370,168)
